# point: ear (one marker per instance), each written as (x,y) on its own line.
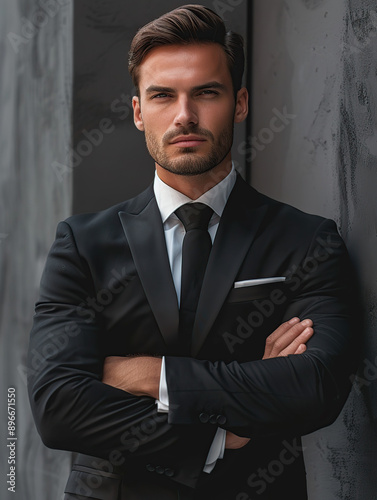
(138,119)
(242,105)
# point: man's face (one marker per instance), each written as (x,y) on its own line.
(186,107)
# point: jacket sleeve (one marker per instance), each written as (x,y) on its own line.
(296,394)
(72,408)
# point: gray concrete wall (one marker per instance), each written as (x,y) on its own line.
(35,102)
(315,63)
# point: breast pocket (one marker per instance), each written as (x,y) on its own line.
(86,483)
(276,292)
(247,317)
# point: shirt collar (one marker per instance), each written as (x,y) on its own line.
(169,199)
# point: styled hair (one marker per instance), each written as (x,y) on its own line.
(189,24)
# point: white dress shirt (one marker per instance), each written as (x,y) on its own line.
(169,200)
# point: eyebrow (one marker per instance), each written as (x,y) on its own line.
(210,85)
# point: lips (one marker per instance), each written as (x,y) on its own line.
(188,141)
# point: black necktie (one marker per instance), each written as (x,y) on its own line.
(196,248)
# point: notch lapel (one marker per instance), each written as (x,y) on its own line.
(145,234)
(242,216)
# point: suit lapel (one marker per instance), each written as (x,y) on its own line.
(143,227)
(239,223)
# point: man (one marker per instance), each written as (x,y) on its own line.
(167,347)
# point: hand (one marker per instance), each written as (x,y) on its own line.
(234,442)
(289,338)
(138,375)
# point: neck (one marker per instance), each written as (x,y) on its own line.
(194,186)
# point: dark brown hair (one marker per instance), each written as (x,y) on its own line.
(186,25)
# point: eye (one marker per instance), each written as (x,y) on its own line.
(208,92)
(161,95)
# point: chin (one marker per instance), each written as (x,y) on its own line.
(189,168)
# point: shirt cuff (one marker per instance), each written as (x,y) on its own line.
(163,401)
(216,451)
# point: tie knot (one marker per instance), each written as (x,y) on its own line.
(194,216)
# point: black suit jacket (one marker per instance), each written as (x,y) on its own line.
(107,290)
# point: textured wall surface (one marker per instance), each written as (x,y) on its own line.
(314,145)
(35,100)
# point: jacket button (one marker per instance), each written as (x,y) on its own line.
(169,472)
(150,468)
(221,419)
(213,419)
(204,417)
(160,470)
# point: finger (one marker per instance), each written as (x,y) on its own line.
(281,330)
(301,348)
(298,343)
(284,327)
(278,344)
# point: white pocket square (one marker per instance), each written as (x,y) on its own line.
(259,281)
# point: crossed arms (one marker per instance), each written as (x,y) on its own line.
(140,375)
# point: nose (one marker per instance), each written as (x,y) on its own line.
(186,113)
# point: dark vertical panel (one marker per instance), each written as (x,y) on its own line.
(35,193)
(114,165)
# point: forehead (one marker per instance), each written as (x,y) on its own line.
(184,66)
